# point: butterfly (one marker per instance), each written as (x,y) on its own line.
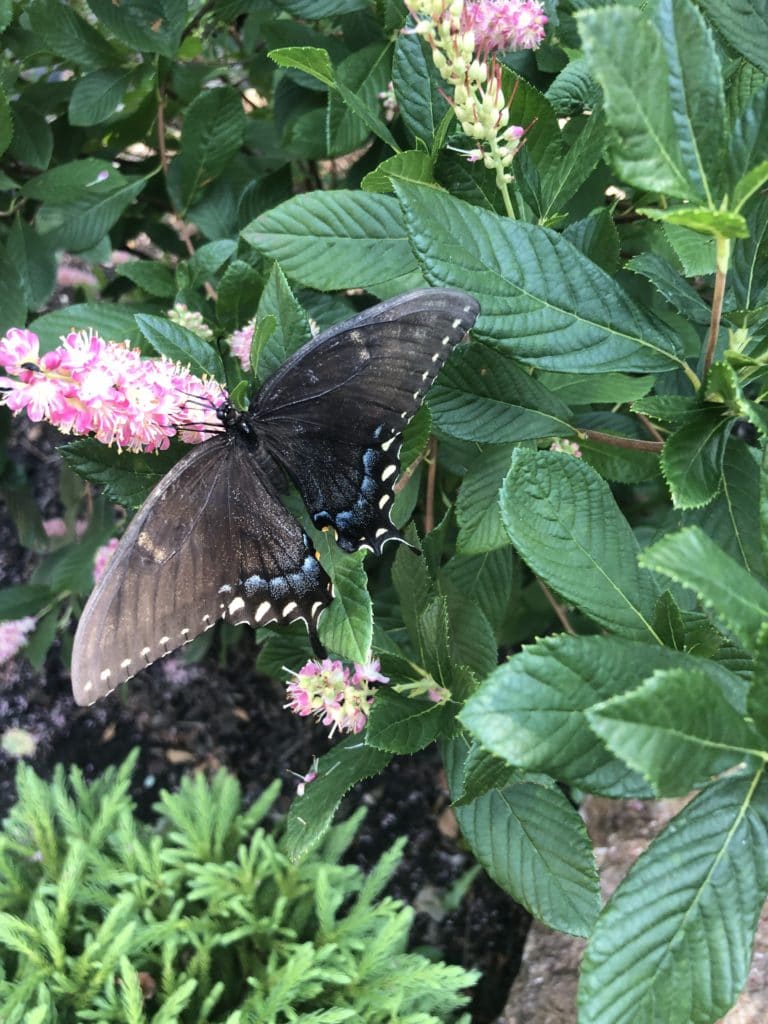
(213,540)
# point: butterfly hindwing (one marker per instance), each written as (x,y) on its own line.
(334,414)
(212,541)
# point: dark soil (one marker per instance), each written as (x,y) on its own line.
(187,717)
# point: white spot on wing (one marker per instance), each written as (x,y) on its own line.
(388,444)
(388,471)
(105,674)
(288,608)
(262,610)
(446,339)
(125,663)
(456,323)
(384,500)
(145,652)
(235,605)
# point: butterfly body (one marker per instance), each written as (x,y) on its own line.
(213,539)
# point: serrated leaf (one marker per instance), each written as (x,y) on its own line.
(403,725)
(154,26)
(596,236)
(152,277)
(481,395)
(676,730)
(744,26)
(311,815)
(671,285)
(84,220)
(676,945)
(347,625)
(487,579)
(484,772)
(97,95)
(735,597)
(477,509)
(32,142)
(695,251)
(412,165)
(292,328)
(126,477)
(540,298)
(533,710)
(312,60)
(626,55)
(365,232)
(692,459)
(533,844)
(748,149)
(418,85)
(181,345)
(564,521)
(354,107)
(113,322)
(214,128)
(717,223)
(69,35)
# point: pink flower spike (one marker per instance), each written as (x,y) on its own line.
(13,636)
(102,558)
(18,347)
(368,672)
(240,342)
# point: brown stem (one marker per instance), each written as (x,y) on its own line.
(621,442)
(557,608)
(723,247)
(162,152)
(650,428)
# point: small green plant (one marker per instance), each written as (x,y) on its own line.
(201,918)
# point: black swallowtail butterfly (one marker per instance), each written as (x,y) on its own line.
(213,540)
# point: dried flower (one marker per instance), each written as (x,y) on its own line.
(338,697)
(13,636)
(91,386)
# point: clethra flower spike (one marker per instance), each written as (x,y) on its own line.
(105,388)
(338,697)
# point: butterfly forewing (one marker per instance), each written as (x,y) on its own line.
(334,414)
(212,541)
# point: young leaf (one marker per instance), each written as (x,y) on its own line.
(735,597)
(679,942)
(692,459)
(676,729)
(403,725)
(563,519)
(346,627)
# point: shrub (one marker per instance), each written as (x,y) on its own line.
(200,918)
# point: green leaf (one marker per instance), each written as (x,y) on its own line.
(65,33)
(354,107)
(486,580)
(113,322)
(477,508)
(696,252)
(423,107)
(587,389)
(481,395)
(154,278)
(696,92)
(181,345)
(596,236)
(127,477)
(292,327)
(311,815)
(24,599)
(539,297)
(83,221)
(564,521)
(671,285)
(676,729)
(97,95)
(238,293)
(744,25)
(730,519)
(312,60)
(718,223)
(562,178)
(34,260)
(365,233)
(483,772)
(692,458)
(213,132)
(412,165)
(32,142)
(533,711)
(532,843)
(735,597)
(154,26)
(403,725)
(626,55)
(347,626)
(676,944)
